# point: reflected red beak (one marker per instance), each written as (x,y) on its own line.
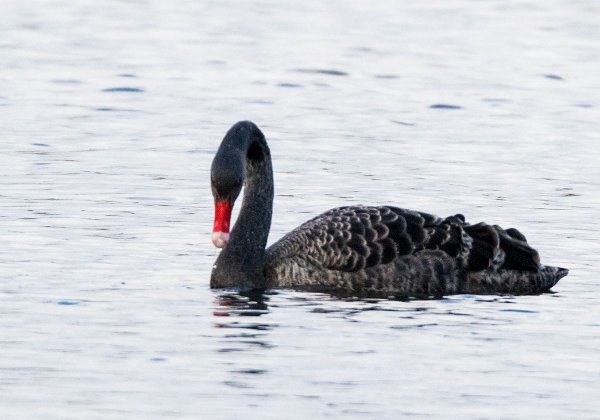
(220,235)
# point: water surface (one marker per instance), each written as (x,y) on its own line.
(110,115)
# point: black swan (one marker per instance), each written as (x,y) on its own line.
(359,251)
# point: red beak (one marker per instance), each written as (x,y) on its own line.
(220,235)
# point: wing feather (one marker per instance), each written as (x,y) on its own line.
(353,238)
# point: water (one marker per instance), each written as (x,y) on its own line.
(110,115)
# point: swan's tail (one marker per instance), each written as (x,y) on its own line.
(514,281)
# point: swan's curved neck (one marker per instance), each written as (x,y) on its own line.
(244,151)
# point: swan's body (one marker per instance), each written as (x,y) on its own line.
(358,250)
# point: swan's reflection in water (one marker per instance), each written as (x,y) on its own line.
(243,330)
(263,340)
(232,305)
(241,303)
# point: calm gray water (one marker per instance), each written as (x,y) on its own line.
(110,113)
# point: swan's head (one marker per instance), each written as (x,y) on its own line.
(226,178)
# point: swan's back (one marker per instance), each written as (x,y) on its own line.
(388,251)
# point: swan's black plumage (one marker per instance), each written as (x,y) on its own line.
(364,250)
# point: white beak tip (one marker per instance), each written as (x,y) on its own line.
(220,239)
